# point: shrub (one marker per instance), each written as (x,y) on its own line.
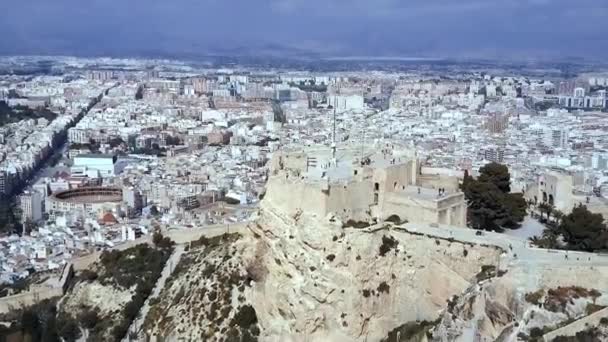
(331,257)
(558,298)
(356,224)
(88,275)
(162,242)
(487,272)
(255,271)
(67,328)
(591,308)
(245,317)
(384,287)
(534,297)
(225,312)
(536,332)
(394,219)
(388,243)
(202,241)
(410,331)
(120,330)
(88,318)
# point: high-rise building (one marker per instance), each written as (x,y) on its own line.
(6,185)
(497,123)
(101,75)
(495,154)
(151,74)
(557,138)
(133,199)
(567,87)
(31,206)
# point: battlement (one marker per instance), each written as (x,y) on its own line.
(360,186)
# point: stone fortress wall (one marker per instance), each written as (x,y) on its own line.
(364,186)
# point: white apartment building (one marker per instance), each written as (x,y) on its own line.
(104,164)
(557,138)
(346,102)
(31,206)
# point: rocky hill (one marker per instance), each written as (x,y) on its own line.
(310,279)
(305,278)
(512,307)
(205,299)
(104,300)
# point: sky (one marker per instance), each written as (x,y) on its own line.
(519,29)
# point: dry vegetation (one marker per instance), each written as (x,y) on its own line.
(205,295)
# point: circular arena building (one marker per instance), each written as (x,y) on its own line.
(88,200)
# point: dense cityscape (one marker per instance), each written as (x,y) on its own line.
(99,155)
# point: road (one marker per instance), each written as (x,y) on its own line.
(47,168)
(518,251)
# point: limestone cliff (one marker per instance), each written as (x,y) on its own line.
(528,303)
(325,282)
(299,277)
(310,279)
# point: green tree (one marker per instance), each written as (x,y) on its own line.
(497,174)
(549,239)
(557,215)
(486,206)
(490,203)
(546,209)
(516,205)
(584,230)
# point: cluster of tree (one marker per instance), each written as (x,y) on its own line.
(584,230)
(9,216)
(93,146)
(19,285)
(36,323)
(312,87)
(580,230)
(544,105)
(162,242)
(491,205)
(172,141)
(264,141)
(140,93)
(155,150)
(15,114)
(115,142)
(145,265)
(140,266)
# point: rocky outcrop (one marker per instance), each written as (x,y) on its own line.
(305,278)
(328,283)
(512,307)
(310,279)
(205,299)
(106,298)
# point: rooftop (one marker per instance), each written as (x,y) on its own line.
(95,155)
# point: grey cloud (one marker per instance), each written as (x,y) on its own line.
(379,27)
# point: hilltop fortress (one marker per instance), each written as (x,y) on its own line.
(371,183)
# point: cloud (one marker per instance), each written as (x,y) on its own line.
(388,27)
